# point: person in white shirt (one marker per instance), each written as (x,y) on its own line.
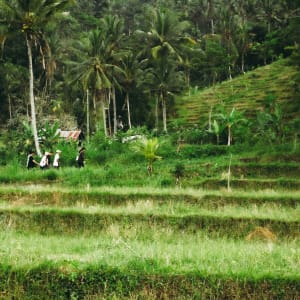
(56,161)
(44,163)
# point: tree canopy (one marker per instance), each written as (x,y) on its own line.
(133,58)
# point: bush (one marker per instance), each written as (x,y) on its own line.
(68,153)
(194,136)
(166,182)
(193,151)
(167,149)
(51,174)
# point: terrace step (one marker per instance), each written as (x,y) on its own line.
(248,184)
(259,171)
(112,266)
(71,221)
(65,281)
(43,196)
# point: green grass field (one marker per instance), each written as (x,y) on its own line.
(148,243)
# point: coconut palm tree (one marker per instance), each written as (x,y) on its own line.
(91,69)
(114,29)
(148,148)
(165,41)
(96,64)
(95,68)
(167,81)
(29,18)
(228,26)
(131,77)
(167,35)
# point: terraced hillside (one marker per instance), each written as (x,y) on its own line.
(201,241)
(245,92)
(263,172)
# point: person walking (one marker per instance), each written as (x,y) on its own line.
(81,157)
(44,163)
(31,162)
(56,161)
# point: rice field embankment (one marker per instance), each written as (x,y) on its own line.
(148,243)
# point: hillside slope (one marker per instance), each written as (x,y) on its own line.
(246,93)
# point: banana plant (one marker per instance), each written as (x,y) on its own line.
(216,129)
(230,119)
(49,135)
(27,135)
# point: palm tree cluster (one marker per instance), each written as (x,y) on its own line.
(131,59)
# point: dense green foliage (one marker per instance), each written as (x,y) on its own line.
(97,63)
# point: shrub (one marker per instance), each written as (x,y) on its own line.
(193,151)
(194,136)
(166,182)
(68,153)
(51,174)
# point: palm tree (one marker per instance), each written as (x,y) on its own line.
(130,79)
(167,35)
(148,148)
(243,43)
(271,11)
(166,39)
(167,81)
(114,29)
(91,69)
(30,18)
(203,14)
(95,68)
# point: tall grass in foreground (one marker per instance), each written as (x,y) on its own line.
(164,252)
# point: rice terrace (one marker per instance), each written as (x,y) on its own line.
(149,149)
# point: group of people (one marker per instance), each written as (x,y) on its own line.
(45,162)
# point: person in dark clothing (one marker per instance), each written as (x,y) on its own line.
(31,162)
(80,158)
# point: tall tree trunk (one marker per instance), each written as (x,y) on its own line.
(2,41)
(128,110)
(209,119)
(212,26)
(103,112)
(229,72)
(9,107)
(31,98)
(243,62)
(114,110)
(96,113)
(187,76)
(156,113)
(229,136)
(164,113)
(87,116)
(108,95)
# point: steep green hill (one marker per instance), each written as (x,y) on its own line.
(245,92)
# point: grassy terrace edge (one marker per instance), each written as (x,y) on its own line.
(104,282)
(70,222)
(110,194)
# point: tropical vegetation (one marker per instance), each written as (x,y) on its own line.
(189,115)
